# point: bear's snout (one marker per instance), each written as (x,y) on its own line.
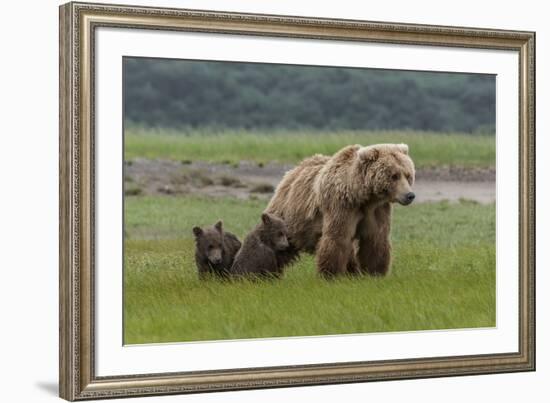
(282,244)
(215,256)
(407,199)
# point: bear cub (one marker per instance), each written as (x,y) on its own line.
(215,250)
(265,251)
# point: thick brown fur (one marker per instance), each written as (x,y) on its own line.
(339,207)
(215,250)
(265,251)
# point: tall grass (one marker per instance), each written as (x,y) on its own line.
(443,277)
(427,149)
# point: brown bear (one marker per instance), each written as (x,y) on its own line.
(265,251)
(215,250)
(340,207)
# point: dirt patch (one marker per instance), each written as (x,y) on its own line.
(479,191)
(456,174)
(251,180)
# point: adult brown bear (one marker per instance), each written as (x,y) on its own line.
(340,207)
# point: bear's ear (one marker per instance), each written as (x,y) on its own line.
(403,148)
(368,154)
(266,219)
(219,225)
(197,231)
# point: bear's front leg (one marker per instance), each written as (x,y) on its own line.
(353,267)
(335,246)
(374,252)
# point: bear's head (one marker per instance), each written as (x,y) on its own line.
(273,232)
(209,242)
(388,171)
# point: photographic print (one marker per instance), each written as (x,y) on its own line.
(255,201)
(270,200)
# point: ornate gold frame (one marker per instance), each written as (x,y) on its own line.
(77,26)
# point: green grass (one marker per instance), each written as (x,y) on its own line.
(427,149)
(443,277)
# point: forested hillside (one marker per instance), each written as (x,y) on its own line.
(191,94)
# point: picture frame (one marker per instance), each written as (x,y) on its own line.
(79,23)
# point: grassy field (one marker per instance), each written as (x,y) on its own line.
(443,277)
(427,149)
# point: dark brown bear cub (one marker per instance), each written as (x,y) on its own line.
(215,250)
(265,251)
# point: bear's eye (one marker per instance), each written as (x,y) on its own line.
(210,246)
(394,177)
(281,234)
